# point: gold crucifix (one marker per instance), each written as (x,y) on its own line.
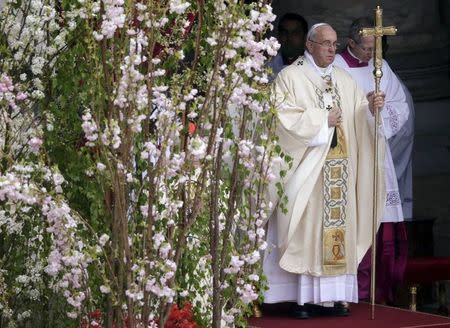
(377,31)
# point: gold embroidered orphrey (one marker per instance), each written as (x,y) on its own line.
(335,176)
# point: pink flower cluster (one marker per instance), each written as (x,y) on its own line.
(67,260)
(9,92)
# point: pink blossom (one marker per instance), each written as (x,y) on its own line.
(21,96)
(35,145)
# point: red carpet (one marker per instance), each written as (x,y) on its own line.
(385,317)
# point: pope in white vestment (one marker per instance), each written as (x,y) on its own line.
(315,245)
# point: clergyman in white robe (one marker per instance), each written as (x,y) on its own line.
(392,246)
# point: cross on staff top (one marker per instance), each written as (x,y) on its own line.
(378,31)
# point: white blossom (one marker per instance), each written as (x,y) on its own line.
(101,167)
(105,289)
(178,6)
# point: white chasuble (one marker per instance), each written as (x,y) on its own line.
(325,230)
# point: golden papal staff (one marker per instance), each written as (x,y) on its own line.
(377,31)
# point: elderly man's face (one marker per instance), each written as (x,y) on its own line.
(323,46)
(364,49)
(292,40)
